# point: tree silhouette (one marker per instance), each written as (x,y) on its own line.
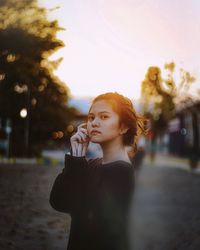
(160,97)
(27,39)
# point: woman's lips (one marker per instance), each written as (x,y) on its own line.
(95,132)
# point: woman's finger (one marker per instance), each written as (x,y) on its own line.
(85,146)
(80,140)
(84,130)
(79,149)
(79,136)
(74,148)
(83,136)
(82,125)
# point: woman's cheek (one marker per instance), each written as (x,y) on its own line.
(113,126)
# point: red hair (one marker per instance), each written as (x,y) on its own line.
(128,117)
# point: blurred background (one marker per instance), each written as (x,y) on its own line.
(55,57)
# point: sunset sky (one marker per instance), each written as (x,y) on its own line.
(110,44)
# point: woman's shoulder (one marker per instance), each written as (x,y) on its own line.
(118,163)
(114,166)
(94,161)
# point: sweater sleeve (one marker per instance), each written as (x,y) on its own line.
(69,188)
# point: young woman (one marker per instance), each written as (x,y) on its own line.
(97,193)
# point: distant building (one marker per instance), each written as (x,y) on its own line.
(184,131)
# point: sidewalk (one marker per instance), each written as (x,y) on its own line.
(163,160)
(48,161)
(48,158)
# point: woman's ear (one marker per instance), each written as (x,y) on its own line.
(123,129)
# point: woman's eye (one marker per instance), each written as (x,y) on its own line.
(103,117)
(90,118)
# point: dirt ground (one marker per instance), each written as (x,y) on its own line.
(27,222)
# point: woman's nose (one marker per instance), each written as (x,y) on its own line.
(95,122)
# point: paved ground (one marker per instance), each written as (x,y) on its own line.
(166,209)
(165,215)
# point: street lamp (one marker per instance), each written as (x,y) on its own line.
(23,113)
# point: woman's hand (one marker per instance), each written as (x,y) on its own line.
(79,141)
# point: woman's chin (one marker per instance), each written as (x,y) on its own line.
(95,140)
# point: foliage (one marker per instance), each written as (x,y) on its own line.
(27,39)
(161,96)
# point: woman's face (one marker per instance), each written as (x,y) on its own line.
(103,123)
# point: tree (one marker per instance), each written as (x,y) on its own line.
(27,39)
(161,96)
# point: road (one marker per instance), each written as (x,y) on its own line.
(166,209)
(165,214)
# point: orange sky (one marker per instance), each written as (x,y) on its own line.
(110,44)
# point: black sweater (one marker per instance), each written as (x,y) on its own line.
(98,198)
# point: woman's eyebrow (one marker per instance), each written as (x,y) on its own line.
(99,112)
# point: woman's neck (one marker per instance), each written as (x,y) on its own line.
(113,151)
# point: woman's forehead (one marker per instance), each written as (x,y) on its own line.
(101,106)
